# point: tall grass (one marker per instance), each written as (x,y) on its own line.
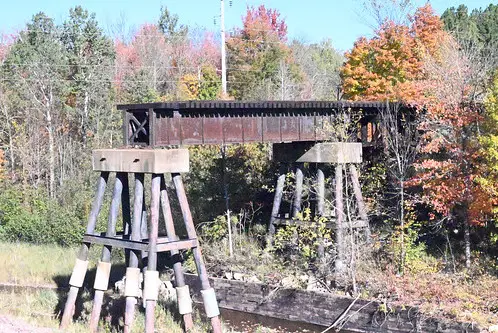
(34,264)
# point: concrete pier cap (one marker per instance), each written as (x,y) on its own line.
(141,160)
(322,152)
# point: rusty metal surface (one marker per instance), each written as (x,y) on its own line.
(217,122)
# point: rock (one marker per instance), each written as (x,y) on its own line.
(253,279)
(167,291)
(119,286)
(228,275)
(312,283)
(303,278)
(238,276)
(290,282)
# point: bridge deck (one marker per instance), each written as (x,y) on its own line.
(219,122)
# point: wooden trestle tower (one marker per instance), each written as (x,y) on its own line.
(149,126)
(141,162)
(344,156)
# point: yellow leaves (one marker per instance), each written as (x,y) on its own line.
(189,87)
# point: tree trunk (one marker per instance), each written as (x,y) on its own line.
(84,121)
(402,226)
(339,215)
(227,198)
(466,237)
(51,152)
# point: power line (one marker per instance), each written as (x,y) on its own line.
(194,69)
(160,35)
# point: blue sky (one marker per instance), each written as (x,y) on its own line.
(309,20)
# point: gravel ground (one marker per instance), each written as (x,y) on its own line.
(15,325)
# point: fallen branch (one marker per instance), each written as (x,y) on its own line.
(356,312)
(342,316)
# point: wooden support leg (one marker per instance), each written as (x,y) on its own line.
(126,213)
(78,275)
(151,278)
(183,295)
(104,267)
(320,196)
(298,194)
(339,215)
(277,200)
(133,272)
(209,298)
(144,233)
(362,210)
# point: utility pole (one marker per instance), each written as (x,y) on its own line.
(223,51)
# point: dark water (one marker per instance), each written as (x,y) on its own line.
(247,322)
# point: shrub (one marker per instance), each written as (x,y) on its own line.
(33,217)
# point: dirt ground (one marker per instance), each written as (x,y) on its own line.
(15,325)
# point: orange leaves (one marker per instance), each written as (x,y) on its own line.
(389,65)
(423,65)
(428,29)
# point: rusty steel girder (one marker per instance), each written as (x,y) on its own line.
(224,122)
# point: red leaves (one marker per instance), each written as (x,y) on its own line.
(423,65)
(261,22)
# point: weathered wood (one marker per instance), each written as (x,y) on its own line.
(105,257)
(362,209)
(323,309)
(298,193)
(331,223)
(115,242)
(322,152)
(163,244)
(131,301)
(175,254)
(83,253)
(333,152)
(141,160)
(189,225)
(277,200)
(150,304)
(339,213)
(320,207)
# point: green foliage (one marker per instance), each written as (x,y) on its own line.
(258,55)
(478,28)
(406,250)
(139,89)
(304,238)
(319,64)
(218,228)
(168,24)
(210,85)
(246,171)
(32,217)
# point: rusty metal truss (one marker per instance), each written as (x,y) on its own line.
(225,122)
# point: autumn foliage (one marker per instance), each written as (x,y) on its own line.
(424,66)
(388,65)
(256,51)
